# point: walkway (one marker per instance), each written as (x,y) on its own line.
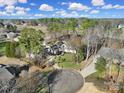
(90,69)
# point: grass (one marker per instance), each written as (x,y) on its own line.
(67,61)
(70,65)
(2,48)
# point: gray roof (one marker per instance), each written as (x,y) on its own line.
(65,81)
(110,53)
(5,74)
(105,52)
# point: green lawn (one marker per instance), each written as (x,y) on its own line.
(2,48)
(67,61)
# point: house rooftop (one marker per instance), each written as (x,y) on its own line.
(110,53)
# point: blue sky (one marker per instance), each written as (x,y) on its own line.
(31,9)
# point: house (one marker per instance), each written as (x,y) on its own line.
(12,70)
(120,26)
(10,36)
(59,48)
(5,75)
(53,50)
(1,24)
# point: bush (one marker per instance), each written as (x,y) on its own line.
(100,66)
(2,48)
(81,54)
(11,49)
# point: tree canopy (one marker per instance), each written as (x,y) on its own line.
(87,23)
(101,65)
(31,40)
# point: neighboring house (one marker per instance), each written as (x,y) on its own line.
(13,36)
(120,26)
(9,77)
(10,36)
(5,75)
(1,24)
(12,70)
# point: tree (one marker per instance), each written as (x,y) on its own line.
(31,40)
(55,28)
(80,55)
(7,49)
(11,49)
(71,25)
(100,66)
(87,27)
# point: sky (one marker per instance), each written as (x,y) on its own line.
(33,9)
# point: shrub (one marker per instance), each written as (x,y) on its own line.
(100,66)
(11,49)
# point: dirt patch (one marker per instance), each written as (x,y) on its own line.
(89,87)
(6,60)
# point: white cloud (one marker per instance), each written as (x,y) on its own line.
(78,7)
(22,1)
(94,12)
(7,2)
(19,8)
(84,15)
(98,2)
(10,2)
(64,3)
(39,15)
(74,14)
(45,7)
(22,9)
(118,6)
(21,13)
(3,13)
(63,13)
(110,6)
(10,9)
(27,9)
(1,3)
(32,4)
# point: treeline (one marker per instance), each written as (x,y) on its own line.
(46,21)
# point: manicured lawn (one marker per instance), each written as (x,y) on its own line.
(67,61)
(70,65)
(2,48)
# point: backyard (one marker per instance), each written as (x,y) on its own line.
(67,61)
